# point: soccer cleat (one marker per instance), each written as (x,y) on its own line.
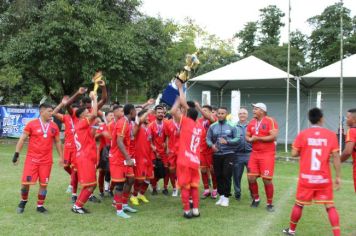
(175,193)
(134,200)
(123,215)
(142,198)
(214,194)
(74,198)
(127,208)
(78,210)
(21,207)
(205,194)
(221,199)
(69,189)
(225,202)
(195,212)
(270,208)
(165,191)
(255,203)
(94,199)
(154,192)
(287,231)
(101,195)
(41,209)
(188,214)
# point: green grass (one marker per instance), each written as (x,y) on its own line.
(163,215)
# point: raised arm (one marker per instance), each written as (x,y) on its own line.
(94,112)
(104,94)
(206,115)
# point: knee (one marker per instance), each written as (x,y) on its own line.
(251,179)
(267,181)
(203,170)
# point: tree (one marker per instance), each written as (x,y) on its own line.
(247,37)
(270,23)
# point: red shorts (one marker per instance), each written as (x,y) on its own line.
(306,196)
(32,172)
(206,160)
(261,164)
(86,171)
(172,160)
(69,155)
(144,171)
(119,173)
(187,177)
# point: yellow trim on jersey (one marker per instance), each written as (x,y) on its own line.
(123,129)
(273,125)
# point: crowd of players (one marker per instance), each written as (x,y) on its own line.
(139,146)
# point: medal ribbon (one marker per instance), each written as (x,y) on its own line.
(44,127)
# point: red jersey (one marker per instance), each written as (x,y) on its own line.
(159,135)
(351,137)
(103,140)
(151,118)
(85,139)
(122,129)
(262,129)
(142,141)
(40,142)
(189,143)
(315,146)
(69,131)
(173,131)
(205,123)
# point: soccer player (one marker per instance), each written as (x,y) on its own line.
(188,161)
(206,156)
(38,164)
(350,147)
(314,146)
(262,132)
(86,159)
(121,163)
(144,167)
(158,131)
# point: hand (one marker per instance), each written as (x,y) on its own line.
(337,183)
(61,162)
(151,101)
(130,162)
(82,90)
(101,83)
(222,141)
(92,95)
(15,159)
(65,100)
(215,149)
(253,139)
(179,84)
(197,105)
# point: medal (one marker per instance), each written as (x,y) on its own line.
(45,135)
(257,125)
(44,128)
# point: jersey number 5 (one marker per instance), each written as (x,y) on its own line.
(315,163)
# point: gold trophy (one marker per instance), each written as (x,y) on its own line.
(192,63)
(96,78)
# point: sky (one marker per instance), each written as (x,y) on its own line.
(226,17)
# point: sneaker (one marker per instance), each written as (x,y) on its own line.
(165,191)
(287,231)
(41,209)
(134,200)
(225,202)
(175,193)
(123,215)
(214,194)
(94,199)
(74,198)
(21,207)
(188,214)
(78,210)
(127,208)
(255,203)
(270,208)
(154,192)
(69,189)
(195,212)
(221,199)
(205,194)
(101,195)
(142,198)
(238,197)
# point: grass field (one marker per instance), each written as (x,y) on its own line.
(163,215)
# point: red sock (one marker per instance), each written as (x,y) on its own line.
(269,189)
(166,180)
(24,194)
(118,200)
(144,187)
(172,177)
(83,197)
(137,187)
(154,183)
(125,197)
(213,179)
(68,169)
(295,216)
(41,197)
(254,190)
(74,181)
(185,193)
(194,193)
(205,179)
(334,220)
(101,180)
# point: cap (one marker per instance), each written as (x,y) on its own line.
(260,105)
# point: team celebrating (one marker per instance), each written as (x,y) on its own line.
(139,146)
